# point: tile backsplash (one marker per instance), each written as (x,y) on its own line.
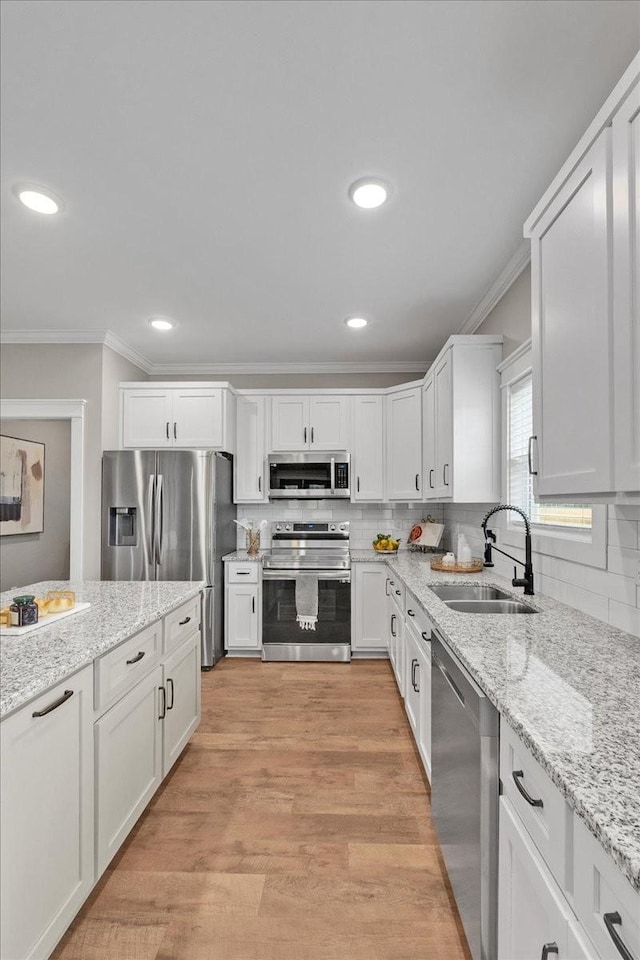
(610,593)
(367,519)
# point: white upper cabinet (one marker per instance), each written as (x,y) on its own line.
(367,467)
(310,423)
(585,244)
(626,292)
(571,333)
(404,444)
(461,422)
(249,461)
(175,415)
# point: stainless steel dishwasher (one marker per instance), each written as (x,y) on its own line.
(464,794)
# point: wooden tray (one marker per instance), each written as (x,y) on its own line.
(384,551)
(51,618)
(475,565)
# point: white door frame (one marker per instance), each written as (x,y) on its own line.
(72,410)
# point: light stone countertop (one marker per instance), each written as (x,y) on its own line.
(568,684)
(243,555)
(34,663)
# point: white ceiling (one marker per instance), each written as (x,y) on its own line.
(204,151)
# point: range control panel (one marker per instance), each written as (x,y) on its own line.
(301,530)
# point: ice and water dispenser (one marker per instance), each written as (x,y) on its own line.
(123,526)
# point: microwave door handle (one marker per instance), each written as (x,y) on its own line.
(333,476)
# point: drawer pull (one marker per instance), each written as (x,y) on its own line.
(53,706)
(242,573)
(548,949)
(138,657)
(611,920)
(399,593)
(170,705)
(517,776)
(410,613)
(183,622)
(425,635)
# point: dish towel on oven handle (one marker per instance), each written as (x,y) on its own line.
(307,601)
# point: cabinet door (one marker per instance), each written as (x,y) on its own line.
(369,607)
(147,418)
(329,423)
(404,445)
(197,418)
(412,680)
(626,292)
(249,461)
(47,866)
(531,910)
(572,334)
(367,467)
(429,439)
(443,399)
(242,617)
(423,675)
(128,744)
(397,644)
(289,423)
(181,681)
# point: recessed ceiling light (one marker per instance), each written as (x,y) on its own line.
(369,192)
(356,322)
(159,324)
(37,199)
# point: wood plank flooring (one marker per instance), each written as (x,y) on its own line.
(295,826)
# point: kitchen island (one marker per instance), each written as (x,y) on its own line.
(96,708)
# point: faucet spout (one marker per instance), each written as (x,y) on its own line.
(525,581)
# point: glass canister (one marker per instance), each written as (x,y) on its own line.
(23,611)
(253,542)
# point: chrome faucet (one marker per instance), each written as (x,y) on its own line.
(490,541)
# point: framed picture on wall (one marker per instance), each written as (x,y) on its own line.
(21,486)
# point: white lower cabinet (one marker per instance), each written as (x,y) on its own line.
(532,913)
(242,617)
(396,643)
(423,676)
(128,745)
(412,679)
(369,631)
(46,827)
(181,685)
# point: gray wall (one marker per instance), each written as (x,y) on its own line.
(73,371)
(28,558)
(511,315)
(114,369)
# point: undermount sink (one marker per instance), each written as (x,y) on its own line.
(468,591)
(489,606)
(478,598)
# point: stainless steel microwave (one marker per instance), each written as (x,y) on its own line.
(309,476)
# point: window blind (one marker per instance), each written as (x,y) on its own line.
(520,481)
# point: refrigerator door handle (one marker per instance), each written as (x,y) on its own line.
(159,517)
(151,539)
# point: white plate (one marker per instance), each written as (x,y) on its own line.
(50,618)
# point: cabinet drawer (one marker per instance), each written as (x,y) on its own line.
(180,623)
(120,669)
(545,814)
(601,890)
(416,615)
(242,572)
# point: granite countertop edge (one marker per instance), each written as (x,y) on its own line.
(36,662)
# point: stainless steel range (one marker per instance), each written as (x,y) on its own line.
(303,557)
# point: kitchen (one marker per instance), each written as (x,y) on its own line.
(447,765)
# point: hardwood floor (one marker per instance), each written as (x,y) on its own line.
(295,826)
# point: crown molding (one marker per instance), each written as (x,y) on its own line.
(114,342)
(508,275)
(104,337)
(228,369)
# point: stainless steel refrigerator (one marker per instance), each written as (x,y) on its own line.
(168,515)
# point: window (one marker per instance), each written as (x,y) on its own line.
(519,479)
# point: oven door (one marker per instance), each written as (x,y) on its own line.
(280,627)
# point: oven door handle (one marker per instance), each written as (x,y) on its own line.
(343,575)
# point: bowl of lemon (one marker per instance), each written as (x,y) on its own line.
(385,543)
